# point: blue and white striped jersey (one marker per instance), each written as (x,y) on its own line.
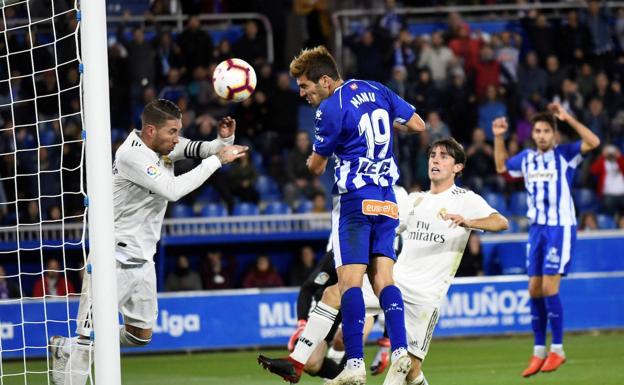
(548,178)
(355,123)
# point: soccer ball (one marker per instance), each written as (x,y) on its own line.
(234,80)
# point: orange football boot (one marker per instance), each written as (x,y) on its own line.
(534,366)
(553,361)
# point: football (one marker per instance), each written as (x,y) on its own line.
(234,80)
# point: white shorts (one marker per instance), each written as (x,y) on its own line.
(136,297)
(420,321)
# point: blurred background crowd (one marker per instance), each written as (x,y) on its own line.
(460,70)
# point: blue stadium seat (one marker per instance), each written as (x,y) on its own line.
(213,210)
(277,207)
(606,222)
(257,161)
(208,194)
(245,208)
(180,210)
(305,207)
(267,188)
(497,201)
(518,204)
(585,200)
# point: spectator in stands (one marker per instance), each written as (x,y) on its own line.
(173,90)
(508,55)
(168,56)
(588,222)
(459,106)
(223,51)
(571,98)
(141,62)
(217,272)
(405,50)
(284,105)
(486,72)
(574,40)
(554,76)
(425,96)
(598,22)
(8,288)
(466,48)
(196,45)
(391,23)
(319,202)
(183,278)
(438,58)
(242,176)
(54,281)
(262,274)
(479,172)
(369,54)
(619,28)
(251,47)
(398,82)
(436,127)
(303,266)
(597,119)
(472,261)
(299,180)
(585,80)
(609,169)
(532,80)
(541,33)
(489,110)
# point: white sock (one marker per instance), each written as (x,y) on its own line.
(557,348)
(539,351)
(420,380)
(128,340)
(67,346)
(78,366)
(355,363)
(398,353)
(319,324)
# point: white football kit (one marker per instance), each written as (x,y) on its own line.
(430,257)
(143,183)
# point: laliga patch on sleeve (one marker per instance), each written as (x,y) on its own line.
(152,171)
(321,278)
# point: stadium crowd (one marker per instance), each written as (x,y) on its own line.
(459,78)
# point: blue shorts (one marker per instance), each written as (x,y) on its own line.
(550,249)
(364,223)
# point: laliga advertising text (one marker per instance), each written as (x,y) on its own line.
(177,324)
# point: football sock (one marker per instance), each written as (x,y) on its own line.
(392,305)
(353,314)
(557,348)
(555,317)
(539,351)
(420,380)
(320,322)
(128,340)
(539,320)
(329,369)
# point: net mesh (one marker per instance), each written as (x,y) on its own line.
(42,191)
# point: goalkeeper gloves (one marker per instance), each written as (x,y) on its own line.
(301,324)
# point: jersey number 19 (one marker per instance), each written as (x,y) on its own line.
(376,127)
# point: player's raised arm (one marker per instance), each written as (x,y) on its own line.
(589,140)
(414,125)
(499,128)
(199,149)
(138,168)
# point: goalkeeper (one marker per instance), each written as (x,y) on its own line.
(143,183)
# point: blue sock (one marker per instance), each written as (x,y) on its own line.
(555,316)
(539,320)
(392,304)
(353,314)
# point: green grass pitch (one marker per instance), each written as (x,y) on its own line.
(595,359)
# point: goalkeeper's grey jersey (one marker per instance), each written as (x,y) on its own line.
(143,183)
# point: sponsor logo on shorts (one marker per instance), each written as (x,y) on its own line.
(321,278)
(385,208)
(553,255)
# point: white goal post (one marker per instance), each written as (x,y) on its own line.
(100,191)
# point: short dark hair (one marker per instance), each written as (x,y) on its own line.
(545,117)
(158,111)
(454,149)
(314,63)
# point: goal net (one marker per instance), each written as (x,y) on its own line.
(43,201)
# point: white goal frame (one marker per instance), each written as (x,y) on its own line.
(93,42)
